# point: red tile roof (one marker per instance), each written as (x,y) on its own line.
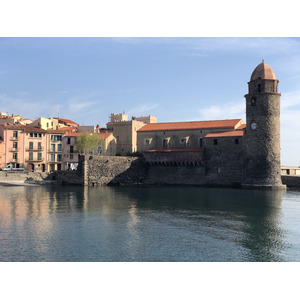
(218,124)
(72,134)
(66,121)
(25,128)
(225,134)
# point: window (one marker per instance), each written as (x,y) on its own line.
(55,138)
(59,147)
(15,135)
(39,145)
(15,145)
(215,142)
(15,156)
(165,143)
(47,124)
(71,149)
(30,155)
(127,150)
(253,101)
(118,139)
(40,135)
(39,156)
(59,157)
(236,141)
(31,134)
(52,157)
(31,145)
(117,150)
(71,156)
(259,88)
(127,139)
(52,149)
(69,141)
(35,135)
(58,167)
(200,143)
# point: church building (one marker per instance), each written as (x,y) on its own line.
(221,152)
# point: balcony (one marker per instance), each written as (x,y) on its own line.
(14,138)
(14,149)
(54,151)
(33,159)
(71,152)
(34,149)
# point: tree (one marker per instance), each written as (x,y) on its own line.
(87,143)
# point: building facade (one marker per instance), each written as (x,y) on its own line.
(229,151)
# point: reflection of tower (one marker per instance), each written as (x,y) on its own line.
(262,138)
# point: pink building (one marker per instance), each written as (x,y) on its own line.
(24,147)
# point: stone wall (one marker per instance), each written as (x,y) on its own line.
(101,170)
(291,181)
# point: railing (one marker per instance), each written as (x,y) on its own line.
(14,149)
(14,138)
(34,149)
(54,151)
(33,159)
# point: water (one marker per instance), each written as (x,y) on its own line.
(71,223)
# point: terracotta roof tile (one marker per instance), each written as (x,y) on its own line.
(218,124)
(60,120)
(225,134)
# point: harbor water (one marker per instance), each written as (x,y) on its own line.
(148,223)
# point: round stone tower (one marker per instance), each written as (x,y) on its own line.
(262,135)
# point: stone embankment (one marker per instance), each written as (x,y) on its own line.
(101,170)
(291,181)
(23,178)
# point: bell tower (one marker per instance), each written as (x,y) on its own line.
(262,135)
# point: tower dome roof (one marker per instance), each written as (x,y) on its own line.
(263,71)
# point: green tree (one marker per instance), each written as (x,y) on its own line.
(88,143)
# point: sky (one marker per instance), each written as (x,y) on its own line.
(175,79)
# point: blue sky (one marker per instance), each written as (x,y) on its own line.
(175,79)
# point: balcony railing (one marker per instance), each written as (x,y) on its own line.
(55,150)
(14,138)
(14,149)
(34,149)
(33,159)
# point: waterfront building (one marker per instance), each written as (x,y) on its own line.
(24,147)
(2,152)
(226,151)
(55,150)
(125,131)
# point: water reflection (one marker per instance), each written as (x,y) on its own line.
(71,223)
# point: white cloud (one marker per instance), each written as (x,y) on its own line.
(143,109)
(230,110)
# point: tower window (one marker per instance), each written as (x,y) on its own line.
(236,141)
(259,88)
(253,101)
